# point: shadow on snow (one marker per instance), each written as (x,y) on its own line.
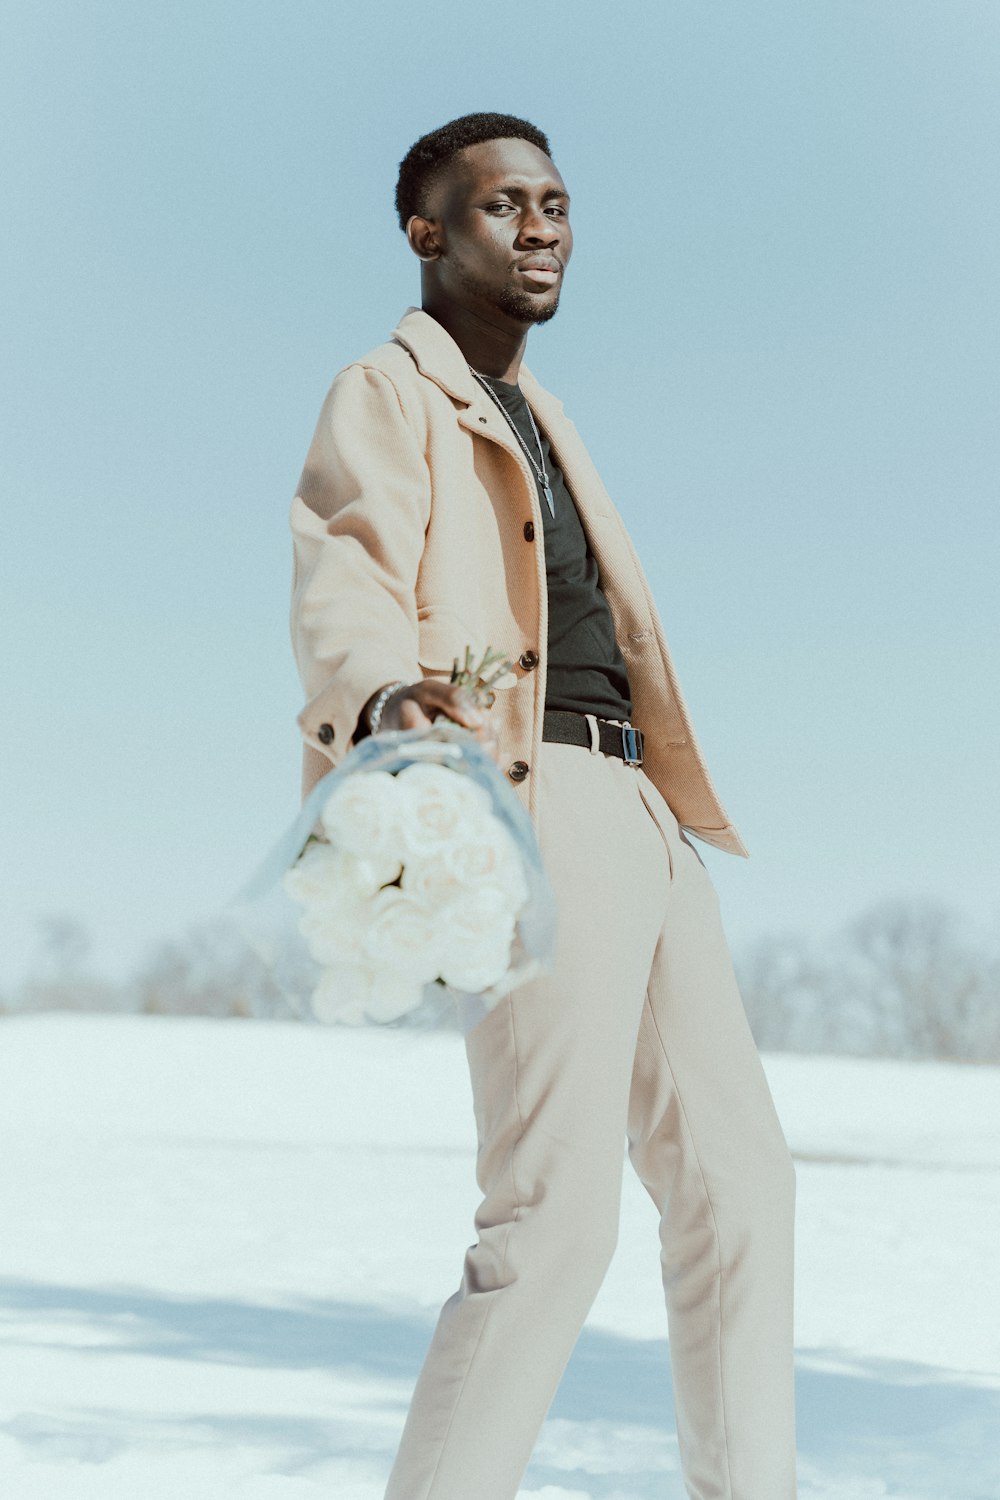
(899,1422)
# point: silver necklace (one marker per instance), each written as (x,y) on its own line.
(539,468)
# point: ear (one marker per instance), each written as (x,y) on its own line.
(424,236)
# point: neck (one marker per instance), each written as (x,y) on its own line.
(493,348)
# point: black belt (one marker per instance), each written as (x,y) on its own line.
(567,728)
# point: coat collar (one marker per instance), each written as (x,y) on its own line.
(439,358)
(436,354)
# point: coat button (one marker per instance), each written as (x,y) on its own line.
(529,659)
(518,771)
(529,531)
(483,420)
(325,733)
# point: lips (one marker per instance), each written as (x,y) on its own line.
(545,272)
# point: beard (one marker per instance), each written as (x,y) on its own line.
(521,306)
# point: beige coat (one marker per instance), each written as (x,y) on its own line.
(417,531)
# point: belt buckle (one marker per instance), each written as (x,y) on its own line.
(632,745)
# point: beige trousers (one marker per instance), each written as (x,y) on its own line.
(639,1033)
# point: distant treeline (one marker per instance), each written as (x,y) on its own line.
(906,978)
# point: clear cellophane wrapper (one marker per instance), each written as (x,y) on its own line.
(323,989)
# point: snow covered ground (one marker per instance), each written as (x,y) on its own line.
(224,1246)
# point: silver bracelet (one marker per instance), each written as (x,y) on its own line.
(375,717)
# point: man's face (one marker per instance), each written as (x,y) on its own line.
(502,214)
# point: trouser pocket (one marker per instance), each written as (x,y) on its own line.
(657,817)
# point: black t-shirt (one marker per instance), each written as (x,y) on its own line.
(586,672)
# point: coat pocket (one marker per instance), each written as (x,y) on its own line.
(441,637)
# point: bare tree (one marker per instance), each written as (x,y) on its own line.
(59,977)
(904,979)
(923,977)
(209,971)
(65,946)
(782,983)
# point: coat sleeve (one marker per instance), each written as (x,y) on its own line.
(358,523)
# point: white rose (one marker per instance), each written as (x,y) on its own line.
(314,874)
(390,995)
(334,929)
(484,908)
(478,969)
(341,995)
(402,936)
(353,993)
(480,934)
(323,874)
(488,856)
(431,880)
(368,872)
(362,815)
(452,781)
(483,854)
(438,802)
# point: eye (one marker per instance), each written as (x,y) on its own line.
(556,209)
(493,207)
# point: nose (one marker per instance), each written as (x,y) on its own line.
(537,229)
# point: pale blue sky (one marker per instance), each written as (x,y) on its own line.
(778,336)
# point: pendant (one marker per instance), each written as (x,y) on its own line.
(549,499)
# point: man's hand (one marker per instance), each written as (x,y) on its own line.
(417,705)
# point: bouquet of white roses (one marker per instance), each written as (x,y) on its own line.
(426,873)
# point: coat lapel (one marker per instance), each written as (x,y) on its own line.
(674,760)
(439,358)
(620,580)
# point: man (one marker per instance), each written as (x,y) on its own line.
(447,501)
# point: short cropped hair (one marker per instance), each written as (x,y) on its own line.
(434,151)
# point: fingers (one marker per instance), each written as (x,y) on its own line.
(417,706)
(411,715)
(456,702)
